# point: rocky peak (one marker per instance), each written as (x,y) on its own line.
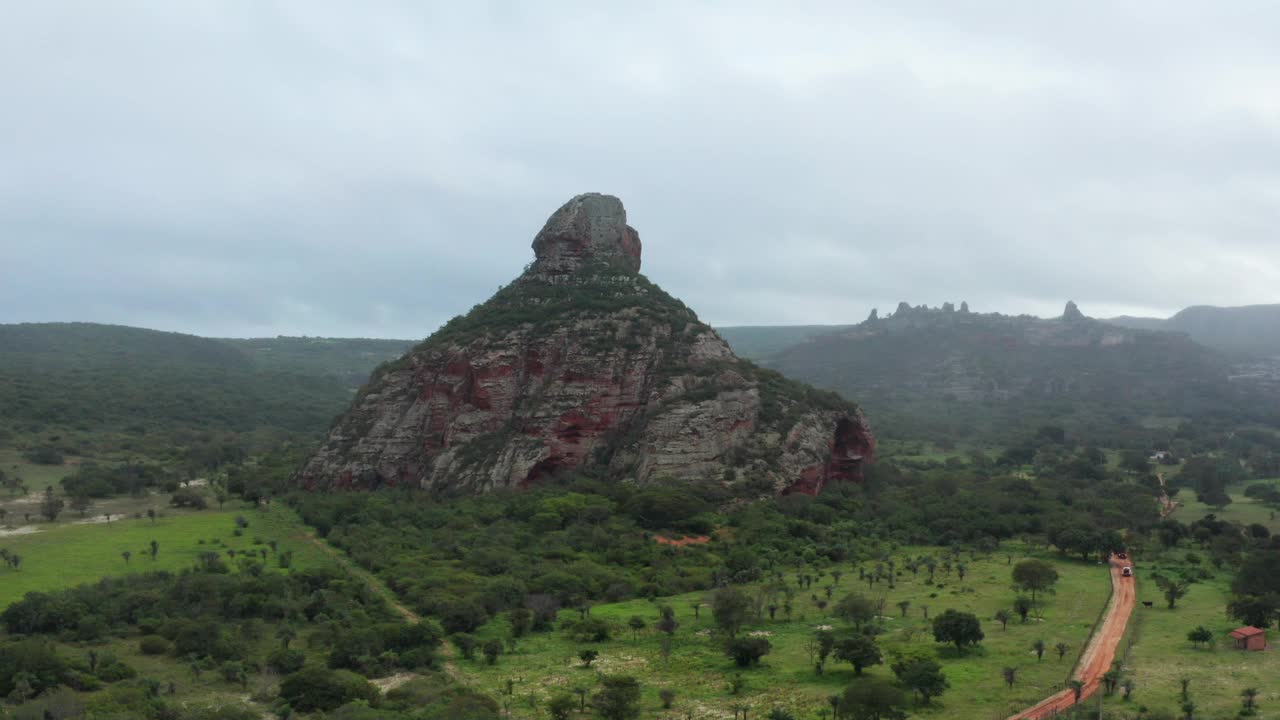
(571,369)
(1072,313)
(589,227)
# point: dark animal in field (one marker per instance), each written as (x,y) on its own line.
(1148,603)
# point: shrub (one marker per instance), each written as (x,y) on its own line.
(189,498)
(317,688)
(286,660)
(153,645)
(746,652)
(590,630)
(112,670)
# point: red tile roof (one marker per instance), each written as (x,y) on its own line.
(1246,631)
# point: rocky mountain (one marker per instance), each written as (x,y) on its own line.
(582,363)
(935,372)
(1252,329)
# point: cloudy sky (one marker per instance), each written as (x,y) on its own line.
(247,167)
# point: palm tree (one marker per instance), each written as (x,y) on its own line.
(1110,679)
(1003,617)
(1250,696)
(1077,688)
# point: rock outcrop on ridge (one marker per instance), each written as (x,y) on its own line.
(582,364)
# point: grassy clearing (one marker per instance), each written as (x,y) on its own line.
(64,555)
(1242,510)
(37,477)
(1162,654)
(699,672)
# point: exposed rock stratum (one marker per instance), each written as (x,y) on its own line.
(583,364)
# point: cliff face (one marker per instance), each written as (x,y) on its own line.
(582,363)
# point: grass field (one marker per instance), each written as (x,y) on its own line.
(1242,510)
(1162,654)
(37,477)
(699,671)
(64,555)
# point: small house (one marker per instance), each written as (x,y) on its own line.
(1250,638)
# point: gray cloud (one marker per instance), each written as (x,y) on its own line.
(247,168)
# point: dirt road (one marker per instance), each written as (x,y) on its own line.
(446,649)
(1167,505)
(1097,657)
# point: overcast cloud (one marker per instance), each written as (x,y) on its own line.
(373,168)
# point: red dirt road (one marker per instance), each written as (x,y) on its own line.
(1097,657)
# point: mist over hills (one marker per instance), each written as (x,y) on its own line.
(1250,329)
(950,373)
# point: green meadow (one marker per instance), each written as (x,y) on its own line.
(1162,656)
(1243,510)
(700,674)
(63,555)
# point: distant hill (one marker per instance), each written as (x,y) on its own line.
(759,342)
(941,373)
(109,378)
(1251,329)
(348,359)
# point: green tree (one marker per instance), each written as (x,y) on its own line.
(1022,605)
(521,620)
(561,706)
(1010,675)
(1034,576)
(1173,590)
(492,649)
(872,699)
(730,607)
(587,657)
(922,675)
(1255,610)
(1200,635)
(1038,647)
(637,625)
(1003,617)
(858,650)
(81,504)
(51,505)
(619,698)
(668,697)
(1077,688)
(958,628)
(466,644)
(1249,698)
(746,652)
(318,688)
(856,610)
